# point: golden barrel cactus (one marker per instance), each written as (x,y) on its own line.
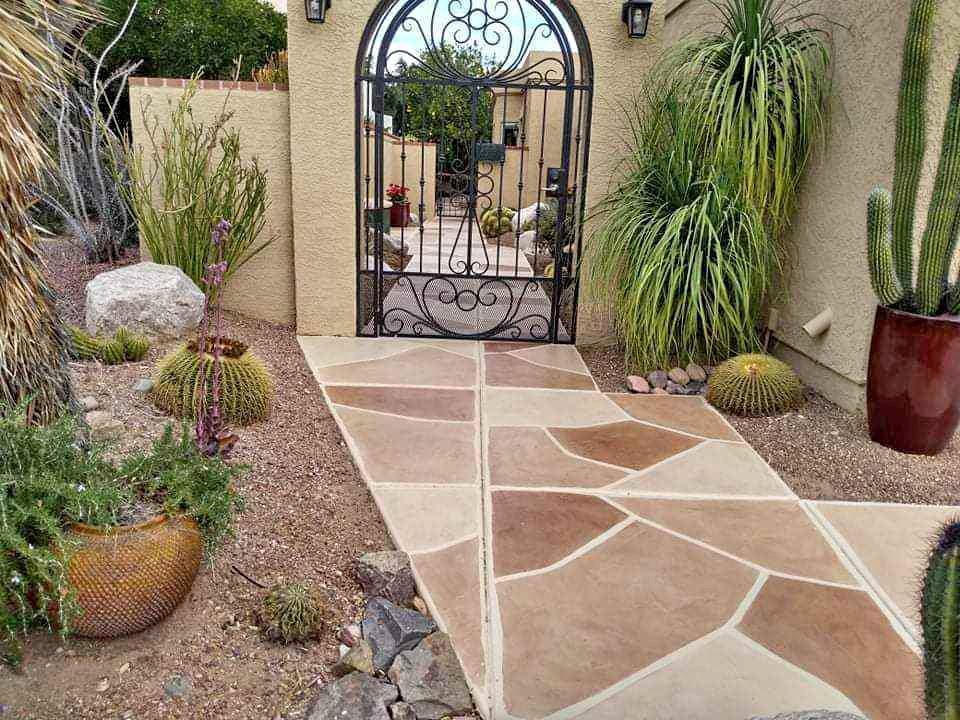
(755,385)
(246,389)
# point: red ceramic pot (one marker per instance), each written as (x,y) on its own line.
(399,214)
(913,388)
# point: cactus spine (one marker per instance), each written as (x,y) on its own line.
(939,243)
(940,618)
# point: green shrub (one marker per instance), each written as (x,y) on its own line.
(677,251)
(49,478)
(545,225)
(189,176)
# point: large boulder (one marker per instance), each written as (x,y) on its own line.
(431,680)
(526,215)
(355,697)
(391,630)
(157,300)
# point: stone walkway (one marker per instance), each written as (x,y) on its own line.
(622,557)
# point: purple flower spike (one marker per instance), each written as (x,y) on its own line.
(220,231)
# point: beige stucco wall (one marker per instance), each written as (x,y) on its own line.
(322,69)
(264,287)
(407,172)
(829,267)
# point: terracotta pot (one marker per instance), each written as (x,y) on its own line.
(129,578)
(399,214)
(913,388)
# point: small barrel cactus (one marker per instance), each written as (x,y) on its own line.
(940,618)
(135,347)
(83,345)
(125,346)
(496,221)
(293,613)
(245,386)
(755,385)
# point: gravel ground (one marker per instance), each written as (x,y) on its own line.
(824,452)
(308,517)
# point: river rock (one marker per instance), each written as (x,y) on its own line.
(696,373)
(638,384)
(658,379)
(679,376)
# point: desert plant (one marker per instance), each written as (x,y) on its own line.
(245,387)
(676,250)
(940,621)
(755,385)
(544,223)
(292,613)
(124,346)
(189,176)
(496,221)
(761,81)
(890,220)
(34,345)
(276,70)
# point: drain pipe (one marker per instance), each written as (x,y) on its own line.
(820,324)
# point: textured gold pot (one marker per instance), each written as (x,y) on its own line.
(129,578)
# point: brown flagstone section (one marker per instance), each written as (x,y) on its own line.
(509,371)
(534,530)
(626,444)
(627,603)
(452,577)
(397,450)
(842,637)
(777,535)
(422,366)
(423,403)
(527,457)
(687,414)
(495,346)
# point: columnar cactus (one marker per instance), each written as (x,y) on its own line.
(890,225)
(940,618)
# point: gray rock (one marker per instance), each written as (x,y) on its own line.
(679,376)
(359,658)
(696,373)
(391,630)
(143,386)
(354,697)
(673,388)
(402,711)
(89,403)
(812,715)
(638,384)
(103,426)
(157,300)
(178,686)
(431,680)
(387,575)
(695,387)
(658,379)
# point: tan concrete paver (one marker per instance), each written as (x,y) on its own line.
(626,557)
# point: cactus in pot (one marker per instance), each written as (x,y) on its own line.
(890,220)
(913,398)
(940,619)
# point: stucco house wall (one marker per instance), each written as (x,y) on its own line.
(828,240)
(264,287)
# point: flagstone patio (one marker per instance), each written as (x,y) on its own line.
(618,556)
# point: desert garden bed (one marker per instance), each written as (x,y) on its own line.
(824,452)
(307,518)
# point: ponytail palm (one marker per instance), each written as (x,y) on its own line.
(33,343)
(762,77)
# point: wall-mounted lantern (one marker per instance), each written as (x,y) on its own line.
(636,16)
(317,10)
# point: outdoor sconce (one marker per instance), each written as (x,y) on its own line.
(317,10)
(636,16)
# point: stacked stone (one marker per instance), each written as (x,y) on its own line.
(676,381)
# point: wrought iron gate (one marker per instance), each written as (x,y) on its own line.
(481,111)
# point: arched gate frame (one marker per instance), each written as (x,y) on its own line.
(447,273)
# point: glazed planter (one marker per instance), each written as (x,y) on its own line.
(400,214)
(913,387)
(129,578)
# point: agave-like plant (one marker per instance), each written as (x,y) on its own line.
(33,340)
(763,80)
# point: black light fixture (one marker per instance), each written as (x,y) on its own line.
(636,15)
(317,10)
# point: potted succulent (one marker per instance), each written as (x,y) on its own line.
(913,385)
(400,208)
(99,549)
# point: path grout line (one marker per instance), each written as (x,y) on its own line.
(513,353)
(445,546)
(565,451)
(404,417)
(640,494)
(639,474)
(730,556)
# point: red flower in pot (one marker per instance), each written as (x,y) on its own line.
(400,209)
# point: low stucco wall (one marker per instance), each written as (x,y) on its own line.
(828,266)
(264,288)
